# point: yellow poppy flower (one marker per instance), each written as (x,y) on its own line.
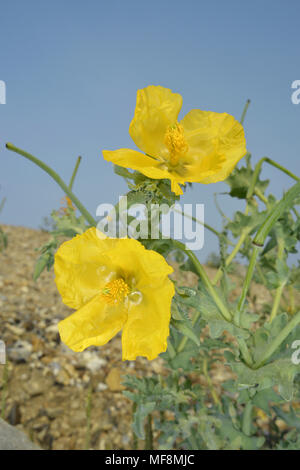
(203,147)
(114,284)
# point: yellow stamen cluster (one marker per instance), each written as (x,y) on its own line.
(175,142)
(115,291)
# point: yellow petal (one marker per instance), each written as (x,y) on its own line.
(147,327)
(81,267)
(136,161)
(216,143)
(94,324)
(138,266)
(157,108)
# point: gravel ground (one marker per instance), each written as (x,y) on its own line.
(48,385)
(46,389)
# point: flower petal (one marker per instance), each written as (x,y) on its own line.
(137,161)
(156,109)
(147,327)
(92,325)
(216,144)
(81,267)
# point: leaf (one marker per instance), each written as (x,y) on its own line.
(263,398)
(142,411)
(237,439)
(281,373)
(185,329)
(239,182)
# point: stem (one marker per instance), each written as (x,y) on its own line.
(276,303)
(89,218)
(149,433)
(171,349)
(281,168)
(247,419)
(281,286)
(185,338)
(248,278)
(275,213)
(278,340)
(261,196)
(245,352)
(134,437)
(218,234)
(200,270)
(292,299)
(245,111)
(257,170)
(74,173)
(232,255)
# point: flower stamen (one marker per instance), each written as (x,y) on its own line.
(115,291)
(175,142)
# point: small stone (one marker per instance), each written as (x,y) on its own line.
(113,380)
(14,439)
(20,351)
(101,387)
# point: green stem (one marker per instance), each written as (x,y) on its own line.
(2,203)
(292,299)
(278,340)
(74,173)
(171,349)
(281,168)
(89,218)
(247,419)
(185,338)
(248,278)
(275,213)
(252,189)
(245,111)
(261,196)
(218,234)
(279,289)
(149,433)
(232,255)
(201,271)
(134,437)
(245,352)
(276,303)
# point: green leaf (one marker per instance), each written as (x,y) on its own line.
(281,373)
(186,330)
(142,411)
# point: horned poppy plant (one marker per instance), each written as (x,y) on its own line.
(114,284)
(203,147)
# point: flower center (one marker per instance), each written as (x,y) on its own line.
(115,291)
(175,142)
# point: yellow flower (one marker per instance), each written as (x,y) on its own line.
(114,284)
(203,147)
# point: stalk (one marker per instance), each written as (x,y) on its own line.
(89,218)
(74,173)
(278,340)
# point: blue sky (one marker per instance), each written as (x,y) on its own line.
(72,70)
